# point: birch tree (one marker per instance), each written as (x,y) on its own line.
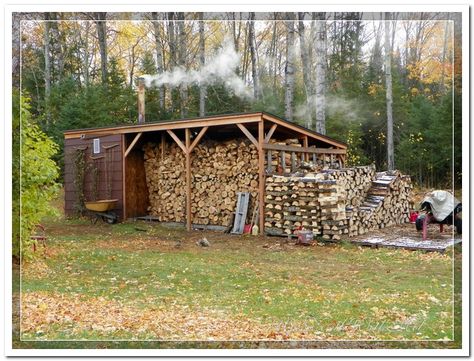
(320,73)
(253,57)
(183,90)
(159,56)
(172,55)
(388,84)
(290,67)
(202,60)
(443,56)
(304,50)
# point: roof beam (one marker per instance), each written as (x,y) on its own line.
(290,148)
(151,127)
(304,131)
(130,147)
(248,134)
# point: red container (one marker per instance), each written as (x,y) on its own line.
(305,237)
(413,216)
(247,228)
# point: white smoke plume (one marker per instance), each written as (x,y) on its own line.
(219,69)
(335,106)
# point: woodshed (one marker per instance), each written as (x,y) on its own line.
(189,164)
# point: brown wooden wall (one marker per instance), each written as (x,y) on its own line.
(70,147)
(136,190)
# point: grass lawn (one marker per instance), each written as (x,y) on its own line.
(139,281)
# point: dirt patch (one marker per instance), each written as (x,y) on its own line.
(176,241)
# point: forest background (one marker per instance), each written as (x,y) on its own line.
(327,71)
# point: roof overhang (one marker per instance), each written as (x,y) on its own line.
(210,121)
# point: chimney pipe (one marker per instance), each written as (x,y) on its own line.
(141,100)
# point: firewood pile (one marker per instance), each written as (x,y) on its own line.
(290,204)
(219,171)
(388,202)
(286,162)
(349,201)
(355,182)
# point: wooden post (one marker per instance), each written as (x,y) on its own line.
(188,179)
(162,146)
(269,162)
(261,178)
(305,144)
(293,161)
(124,202)
(283,161)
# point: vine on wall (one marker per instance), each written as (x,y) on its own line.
(80,167)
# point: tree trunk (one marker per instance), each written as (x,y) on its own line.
(304,50)
(183,89)
(236,31)
(253,56)
(443,57)
(57,47)
(376,58)
(394,26)
(289,67)
(85,59)
(388,83)
(159,57)
(172,59)
(320,54)
(16,40)
(407,52)
(47,69)
(202,60)
(271,50)
(102,36)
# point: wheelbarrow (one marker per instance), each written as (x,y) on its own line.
(103,209)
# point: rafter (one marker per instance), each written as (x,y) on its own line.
(177,140)
(198,138)
(248,134)
(130,147)
(270,133)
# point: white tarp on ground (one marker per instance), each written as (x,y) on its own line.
(442,204)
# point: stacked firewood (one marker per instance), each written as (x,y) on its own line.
(291,204)
(355,182)
(388,202)
(332,200)
(219,171)
(291,162)
(349,202)
(166,181)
